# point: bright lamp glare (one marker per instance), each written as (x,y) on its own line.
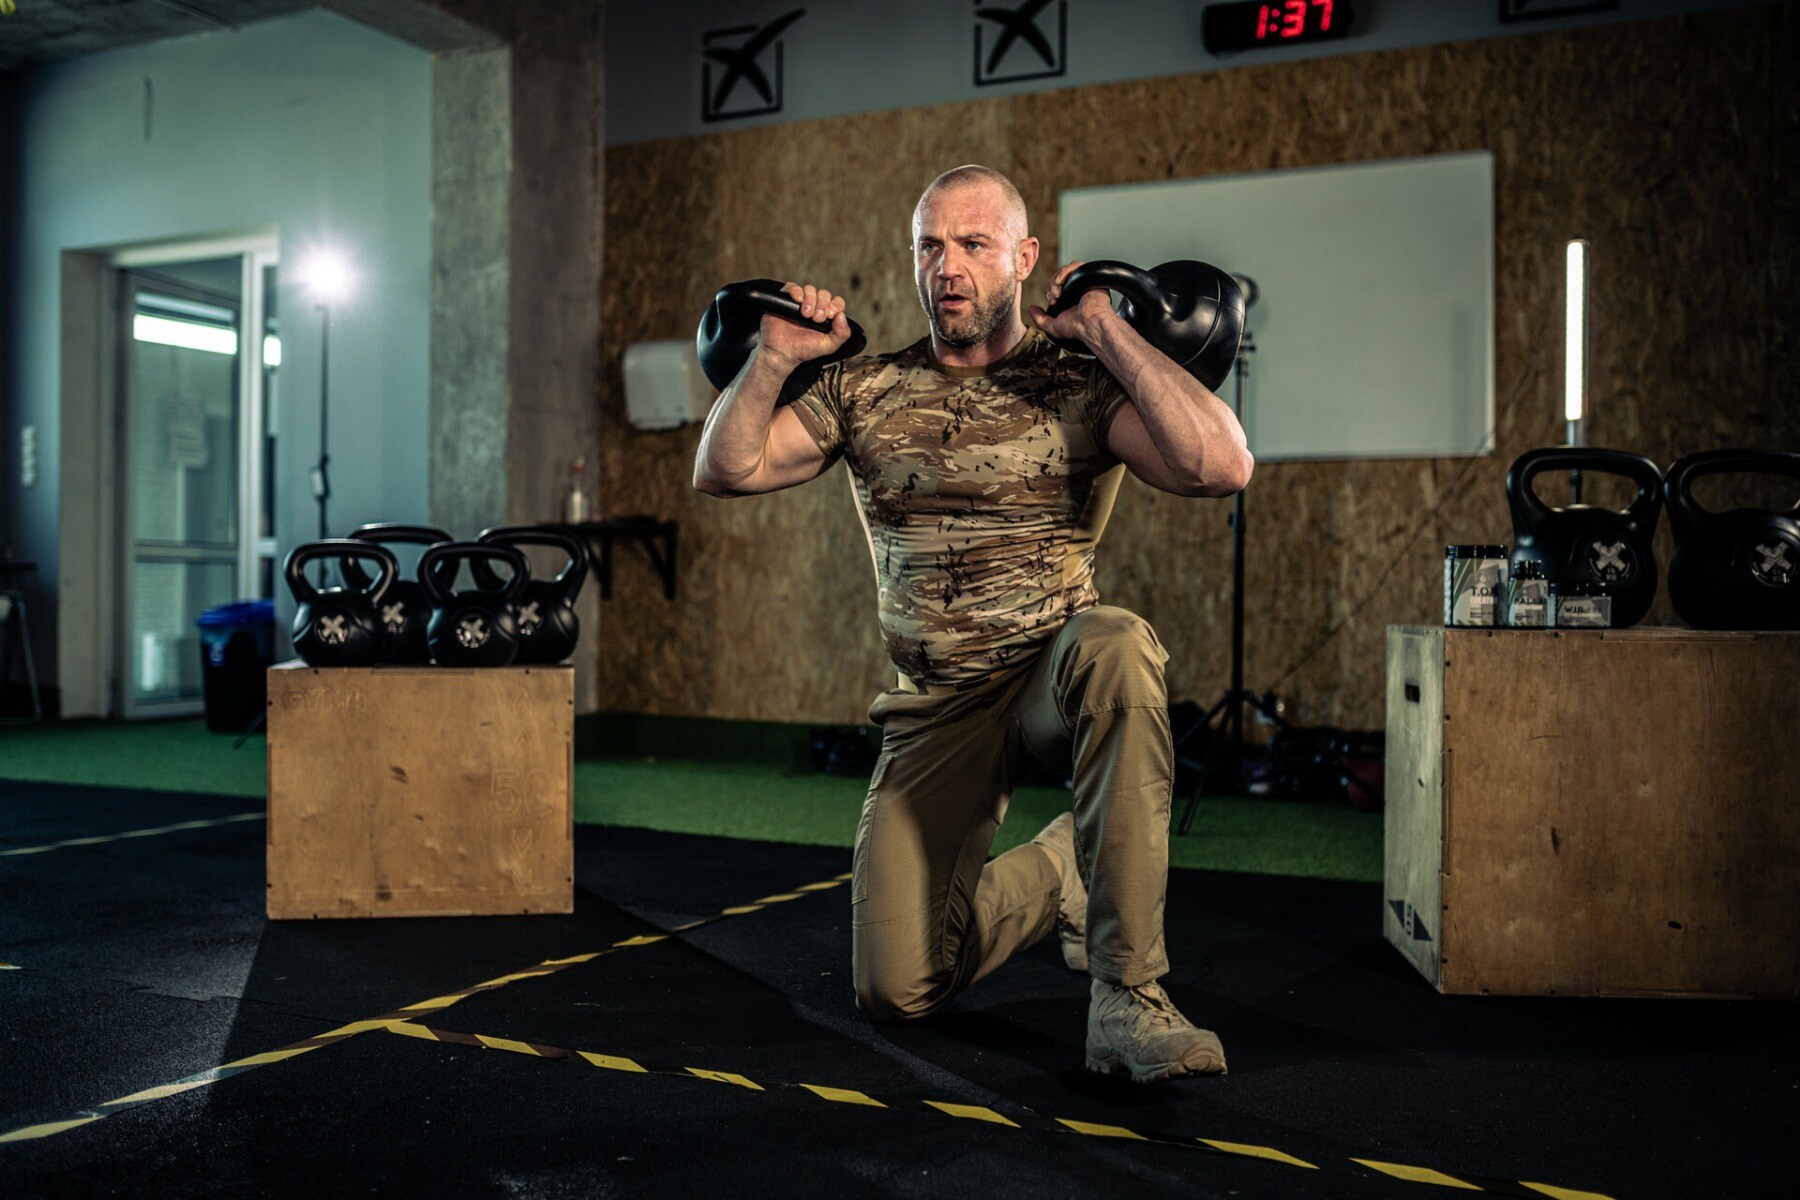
(1575,333)
(271,350)
(190,335)
(327,276)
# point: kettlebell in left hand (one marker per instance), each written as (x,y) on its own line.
(1193,312)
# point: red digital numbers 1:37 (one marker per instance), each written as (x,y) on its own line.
(1292,18)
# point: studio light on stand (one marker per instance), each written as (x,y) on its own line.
(326,280)
(1575,289)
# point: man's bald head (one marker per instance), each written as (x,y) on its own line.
(972,175)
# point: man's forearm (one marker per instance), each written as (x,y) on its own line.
(1197,435)
(737,428)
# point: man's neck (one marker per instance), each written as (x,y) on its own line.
(982,354)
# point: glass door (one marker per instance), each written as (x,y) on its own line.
(180,437)
(264,426)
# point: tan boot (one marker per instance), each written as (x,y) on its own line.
(1138,1031)
(1058,840)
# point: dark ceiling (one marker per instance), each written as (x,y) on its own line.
(47,30)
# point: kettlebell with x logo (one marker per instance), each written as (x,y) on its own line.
(1738,569)
(403,612)
(1588,543)
(478,627)
(548,625)
(337,626)
(1192,311)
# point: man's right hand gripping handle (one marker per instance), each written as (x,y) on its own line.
(748,446)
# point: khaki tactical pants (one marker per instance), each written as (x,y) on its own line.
(929,914)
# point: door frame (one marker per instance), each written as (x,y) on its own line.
(90,583)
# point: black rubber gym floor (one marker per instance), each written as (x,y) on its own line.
(146,961)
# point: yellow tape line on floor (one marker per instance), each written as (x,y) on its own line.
(1019,1118)
(344,1032)
(129,833)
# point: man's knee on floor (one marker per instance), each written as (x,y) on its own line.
(887,997)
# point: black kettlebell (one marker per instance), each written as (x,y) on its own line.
(1738,569)
(338,627)
(476,628)
(1191,311)
(548,626)
(1584,543)
(732,324)
(403,612)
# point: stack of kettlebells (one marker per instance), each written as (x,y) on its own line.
(1736,569)
(382,617)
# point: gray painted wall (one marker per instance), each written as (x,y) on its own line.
(852,56)
(313,123)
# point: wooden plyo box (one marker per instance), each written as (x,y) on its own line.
(420,791)
(1594,813)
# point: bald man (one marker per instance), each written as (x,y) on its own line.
(985,462)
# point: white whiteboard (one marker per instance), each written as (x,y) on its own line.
(1374,332)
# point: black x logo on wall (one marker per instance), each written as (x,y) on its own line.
(741,69)
(1030,41)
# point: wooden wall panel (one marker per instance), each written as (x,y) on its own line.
(1670,144)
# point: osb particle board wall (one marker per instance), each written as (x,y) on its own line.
(1670,144)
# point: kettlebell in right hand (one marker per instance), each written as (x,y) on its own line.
(732,325)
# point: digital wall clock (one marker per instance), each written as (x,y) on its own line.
(1256,24)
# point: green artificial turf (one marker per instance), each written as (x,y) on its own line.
(759,796)
(163,756)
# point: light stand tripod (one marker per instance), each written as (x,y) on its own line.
(321,473)
(1224,770)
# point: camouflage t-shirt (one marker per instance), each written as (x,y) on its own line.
(983,491)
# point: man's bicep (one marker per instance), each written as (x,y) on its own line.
(792,454)
(1131,443)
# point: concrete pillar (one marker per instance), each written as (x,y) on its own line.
(517,201)
(471,275)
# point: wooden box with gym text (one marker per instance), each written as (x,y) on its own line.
(1594,813)
(420,791)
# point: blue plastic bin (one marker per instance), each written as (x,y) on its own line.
(237,645)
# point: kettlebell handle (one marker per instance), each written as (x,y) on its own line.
(437,588)
(1678,484)
(732,323)
(384,533)
(1635,467)
(1135,284)
(348,551)
(572,575)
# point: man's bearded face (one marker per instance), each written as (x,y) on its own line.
(966,264)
